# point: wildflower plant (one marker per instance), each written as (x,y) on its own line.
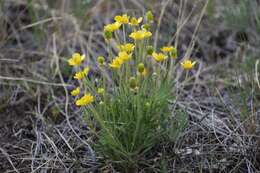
(127,108)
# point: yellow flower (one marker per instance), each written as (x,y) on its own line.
(188,64)
(75,92)
(124,56)
(85,100)
(159,56)
(124,19)
(112,27)
(128,47)
(76,59)
(147,34)
(135,22)
(171,49)
(141,34)
(100,91)
(116,63)
(81,74)
(167,49)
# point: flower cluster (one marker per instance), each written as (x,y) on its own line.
(76,60)
(127,97)
(120,59)
(133,51)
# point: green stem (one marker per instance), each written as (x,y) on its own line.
(124,34)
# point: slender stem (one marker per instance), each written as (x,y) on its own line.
(124,33)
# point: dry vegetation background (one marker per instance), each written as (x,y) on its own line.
(42,131)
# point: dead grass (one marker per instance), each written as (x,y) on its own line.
(41,130)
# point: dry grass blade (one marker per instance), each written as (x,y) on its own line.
(9,159)
(257,74)
(34,81)
(42,131)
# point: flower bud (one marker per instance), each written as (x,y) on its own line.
(150,50)
(108,35)
(149,16)
(100,91)
(101,60)
(146,27)
(147,104)
(174,53)
(140,67)
(132,82)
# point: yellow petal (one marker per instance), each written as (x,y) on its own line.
(75,92)
(76,59)
(167,48)
(85,100)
